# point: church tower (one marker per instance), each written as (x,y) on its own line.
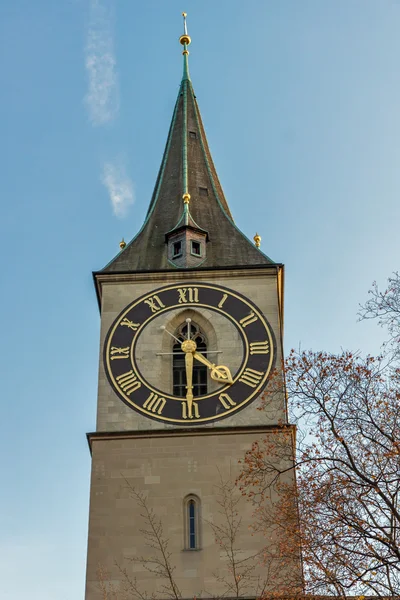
(191,329)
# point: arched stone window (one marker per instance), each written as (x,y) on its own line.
(191,511)
(178,362)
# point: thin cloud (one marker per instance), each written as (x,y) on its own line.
(119,186)
(102,98)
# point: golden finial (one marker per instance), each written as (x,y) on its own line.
(122,244)
(257,240)
(186,198)
(185,38)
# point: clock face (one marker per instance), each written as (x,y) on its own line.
(236,375)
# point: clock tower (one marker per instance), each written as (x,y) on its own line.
(191,330)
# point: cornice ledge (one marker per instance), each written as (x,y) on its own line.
(186,432)
(187,274)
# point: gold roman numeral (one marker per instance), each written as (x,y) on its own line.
(251,377)
(188,295)
(188,413)
(119,352)
(128,382)
(226,401)
(221,303)
(251,318)
(155,403)
(129,324)
(154,304)
(259,348)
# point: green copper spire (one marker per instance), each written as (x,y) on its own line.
(188,204)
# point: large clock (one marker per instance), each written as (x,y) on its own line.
(234,386)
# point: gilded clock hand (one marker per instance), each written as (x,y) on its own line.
(218,373)
(188,347)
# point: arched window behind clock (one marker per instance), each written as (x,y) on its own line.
(178,362)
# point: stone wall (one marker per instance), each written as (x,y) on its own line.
(168,462)
(167,468)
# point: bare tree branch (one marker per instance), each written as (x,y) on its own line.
(159,563)
(347,462)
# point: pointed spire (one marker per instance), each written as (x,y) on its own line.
(188,223)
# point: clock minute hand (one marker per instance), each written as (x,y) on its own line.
(189,382)
(218,373)
(188,347)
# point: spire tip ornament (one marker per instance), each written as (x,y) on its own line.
(185,38)
(257,240)
(122,244)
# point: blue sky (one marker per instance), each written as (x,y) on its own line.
(301,105)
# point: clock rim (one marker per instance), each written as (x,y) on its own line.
(184,422)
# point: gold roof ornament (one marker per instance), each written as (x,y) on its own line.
(185,38)
(186,198)
(122,244)
(257,240)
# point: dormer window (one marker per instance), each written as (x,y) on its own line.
(195,248)
(203,191)
(186,245)
(177,251)
(192,135)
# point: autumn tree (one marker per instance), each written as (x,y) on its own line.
(344,514)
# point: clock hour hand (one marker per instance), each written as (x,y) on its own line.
(218,373)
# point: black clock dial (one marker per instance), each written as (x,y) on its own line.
(127,380)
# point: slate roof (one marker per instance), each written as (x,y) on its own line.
(187,165)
